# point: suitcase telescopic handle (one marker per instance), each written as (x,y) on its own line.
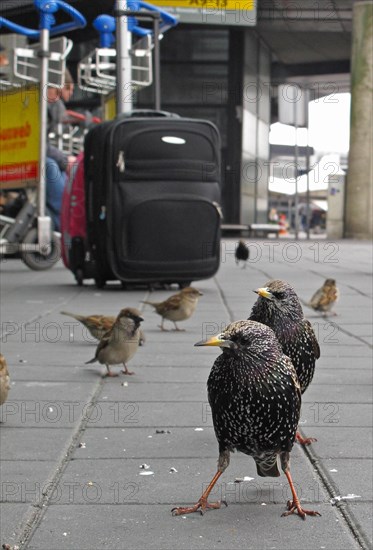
(47,9)
(150,113)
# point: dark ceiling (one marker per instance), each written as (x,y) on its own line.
(315,39)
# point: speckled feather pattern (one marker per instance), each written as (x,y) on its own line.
(284,315)
(254,396)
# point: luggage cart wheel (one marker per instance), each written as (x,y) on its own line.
(79,276)
(36,260)
(100,283)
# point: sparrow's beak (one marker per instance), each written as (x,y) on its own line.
(264,292)
(200,293)
(216,341)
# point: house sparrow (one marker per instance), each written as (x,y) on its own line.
(98,325)
(120,343)
(177,307)
(4,380)
(324,299)
(242,252)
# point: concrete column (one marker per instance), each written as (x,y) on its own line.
(359,191)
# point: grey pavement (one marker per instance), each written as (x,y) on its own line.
(72,442)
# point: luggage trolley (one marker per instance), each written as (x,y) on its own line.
(30,233)
(97,72)
(128,65)
(151,182)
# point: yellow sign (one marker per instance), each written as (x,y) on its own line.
(110,107)
(212,12)
(19,137)
(246,5)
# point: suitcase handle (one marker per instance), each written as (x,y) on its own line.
(149,113)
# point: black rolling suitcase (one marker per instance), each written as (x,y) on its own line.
(153,200)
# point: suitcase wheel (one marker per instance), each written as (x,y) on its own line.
(79,276)
(184,284)
(100,283)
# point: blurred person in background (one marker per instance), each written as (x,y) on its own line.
(57,163)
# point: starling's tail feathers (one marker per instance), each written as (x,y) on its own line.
(267,467)
(91,361)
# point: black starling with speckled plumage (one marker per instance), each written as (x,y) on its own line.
(278,307)
(255,399)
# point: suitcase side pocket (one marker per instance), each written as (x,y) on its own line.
(169,236)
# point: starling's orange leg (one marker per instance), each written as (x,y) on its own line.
(202,504)
(304,440)
(294,505)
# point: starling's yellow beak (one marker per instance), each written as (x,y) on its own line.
(215,341)
(264,292)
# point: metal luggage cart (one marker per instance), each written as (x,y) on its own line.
(128,66)
(97,71)
(30,233)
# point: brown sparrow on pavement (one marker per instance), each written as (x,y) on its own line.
(98,325)
(120,343)
(325,297)
(177,307)
(4,380)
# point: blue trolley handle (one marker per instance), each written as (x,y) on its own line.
(166,19)
(105,24)
(47,8)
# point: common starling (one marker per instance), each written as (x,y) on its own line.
(98,325)
(177,307)
(242,252)
(278,306)
(324,299)
(255,399)
(120,343)
(4,380)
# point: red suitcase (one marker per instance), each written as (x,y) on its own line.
(73,220)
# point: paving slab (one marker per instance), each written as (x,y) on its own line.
(250,526)
(12,518)
(24,481)
(343,472)
(335,442)
(30,443)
